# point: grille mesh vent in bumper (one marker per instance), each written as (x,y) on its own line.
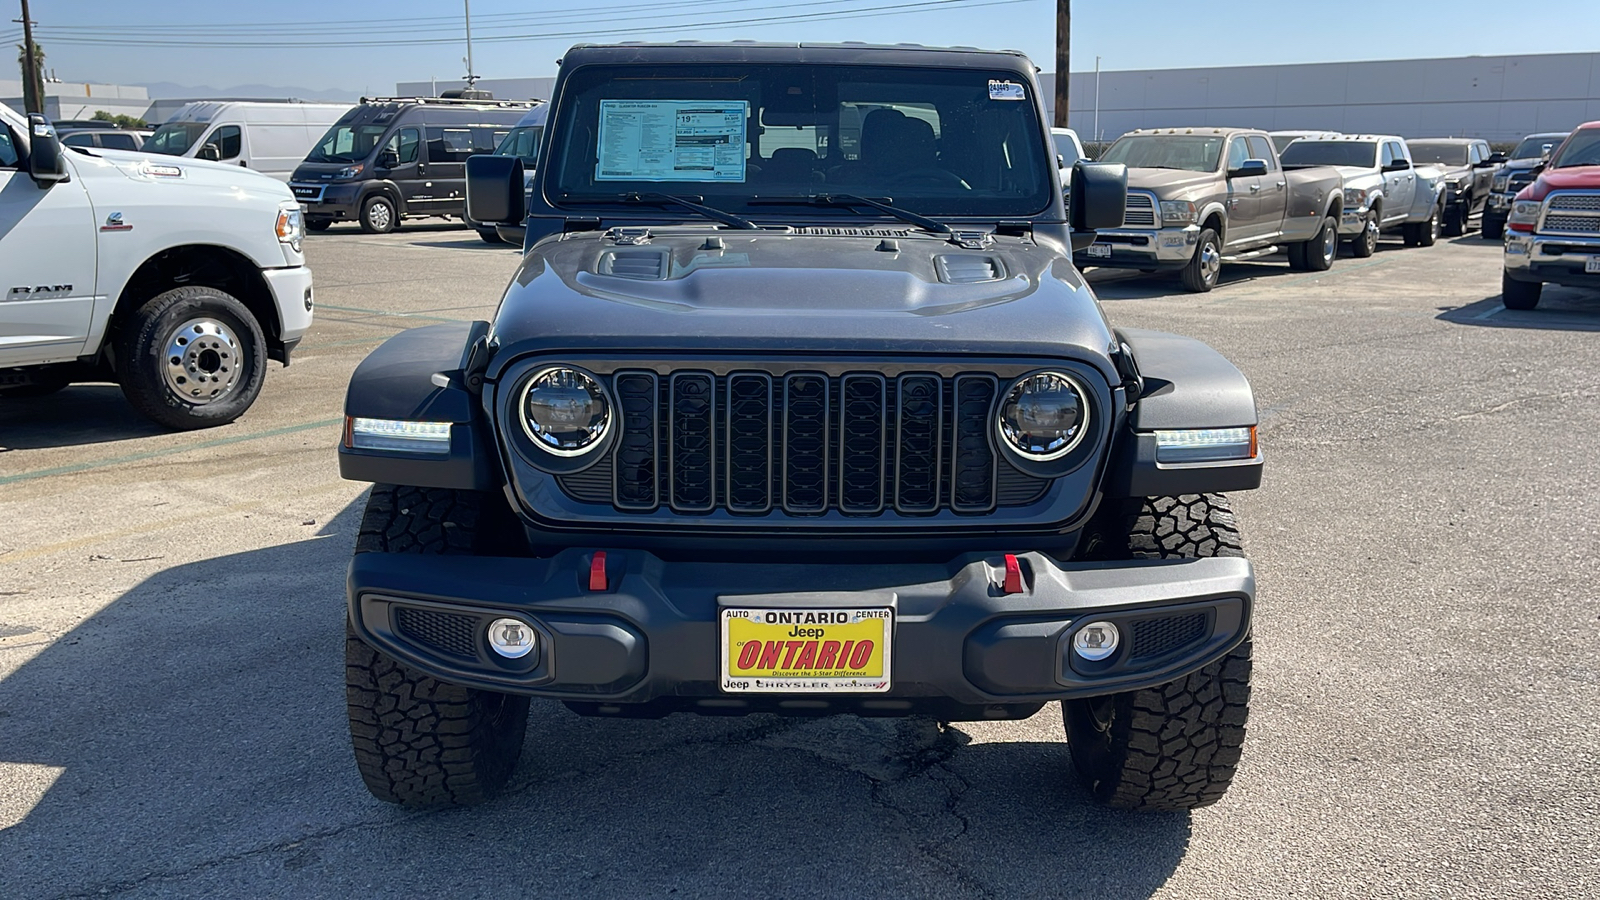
(448,633)
(1158,637)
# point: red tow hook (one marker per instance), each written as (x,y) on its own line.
(597,571)
(1013,583)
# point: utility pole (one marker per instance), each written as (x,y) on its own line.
(1097,99)
(32,88)
(472,79)
(1063,60)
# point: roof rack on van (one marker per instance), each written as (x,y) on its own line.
(455,101)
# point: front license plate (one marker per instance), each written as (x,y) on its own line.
(794,651)
(1592,265)
(1098,251)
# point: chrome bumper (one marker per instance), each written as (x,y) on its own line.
(1143,248)
(1551,258)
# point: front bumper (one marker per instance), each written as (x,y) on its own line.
(1551,259)
(328,199)
(291,294)
(1142,248)
(1352,221)
(650,642)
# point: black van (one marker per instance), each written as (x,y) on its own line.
(393,158)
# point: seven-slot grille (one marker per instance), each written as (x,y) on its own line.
(1572,213)
(1140,211)
(805,443)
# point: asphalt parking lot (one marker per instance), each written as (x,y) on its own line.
(1427,675)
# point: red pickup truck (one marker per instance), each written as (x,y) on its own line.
(1553,232)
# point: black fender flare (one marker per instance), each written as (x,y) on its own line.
(430,374)
(1185,385)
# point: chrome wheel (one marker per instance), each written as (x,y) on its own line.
(203,361)
(381,216)
(1436,223)
(1210,263)
(1330,244)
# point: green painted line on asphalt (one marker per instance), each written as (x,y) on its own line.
(380,312)
(152,454)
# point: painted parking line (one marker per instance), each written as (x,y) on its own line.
(168,451)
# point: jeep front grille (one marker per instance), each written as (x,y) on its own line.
(804,444)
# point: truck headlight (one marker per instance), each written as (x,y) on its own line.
(1177,212)
(1525,213)
(432,438)
(1355,197)
(291,226)
(565,411)
(349,172)
(1203,445)
(1500,183)
(1044,416)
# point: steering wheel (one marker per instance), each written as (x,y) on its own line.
(932,176)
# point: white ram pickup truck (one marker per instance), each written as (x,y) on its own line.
(176,279)
(1384,190)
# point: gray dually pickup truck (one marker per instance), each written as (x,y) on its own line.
(1199,197)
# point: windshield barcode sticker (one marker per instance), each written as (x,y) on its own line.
(1006,90)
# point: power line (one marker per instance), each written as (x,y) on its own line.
(274,41)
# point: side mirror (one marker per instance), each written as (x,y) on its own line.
(1497,159)
(496,192)
(388,159)
(211,152)
(1546,151)
(1252,168)
(1061,161)
(1398,165)
(45,163)
(1098,197)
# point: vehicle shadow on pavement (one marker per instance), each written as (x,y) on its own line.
(1559,309)
(76,415)
(191,739)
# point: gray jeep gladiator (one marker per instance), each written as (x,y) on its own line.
(797,405)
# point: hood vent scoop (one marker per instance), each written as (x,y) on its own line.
(964,269)
(640,265)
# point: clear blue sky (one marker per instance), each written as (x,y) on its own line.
(117,39)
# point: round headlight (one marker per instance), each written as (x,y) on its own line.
(1044,416)
(565,411)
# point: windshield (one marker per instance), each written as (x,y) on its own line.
(1582,149)
(1281,141)
(1329,153)
(523,142)
(1423,152)
(174,138)
(346,143)
(1166,151)
(932,141)
(1535,147)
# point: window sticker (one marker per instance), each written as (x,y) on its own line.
(1006,90)
(672,140)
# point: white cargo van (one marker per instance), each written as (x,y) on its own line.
(269,137)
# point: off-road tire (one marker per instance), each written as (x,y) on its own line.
(1197,276)
(141,344)
(1309,256)
(1365,244)
(373,219)
(1519,294)
(1175,746)
(421,742)
(318,223)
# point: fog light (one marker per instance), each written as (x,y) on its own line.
(512,638)
(1095,641)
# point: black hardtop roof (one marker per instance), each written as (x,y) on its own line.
(822,54)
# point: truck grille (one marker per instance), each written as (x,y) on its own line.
(804,444)
(1571,213)
(1140,211)
(1519,180)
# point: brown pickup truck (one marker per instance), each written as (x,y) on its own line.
(1199,197)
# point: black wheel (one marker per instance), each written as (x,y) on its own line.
(1493,229)
(1205,267)
(1519,294)
(378,215)
(192,357)
(1317,254)
(419,741)
(1456,221)
(1176,746)
(490,236)
(318,223)
(1428,232)
(1366,243)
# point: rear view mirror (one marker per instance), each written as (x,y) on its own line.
(388,159)
(1098,197)
(1252,168)
(211,152)
(45,165)
(1398,165)
(496,190)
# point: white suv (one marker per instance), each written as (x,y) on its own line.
(177,279)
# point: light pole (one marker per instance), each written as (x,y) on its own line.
(1097,99)
(471,78)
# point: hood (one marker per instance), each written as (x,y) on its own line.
(1356,175)
(1526,162)
(155,168)
(1167,183)
(310,171)
(1571,178)
(823,289)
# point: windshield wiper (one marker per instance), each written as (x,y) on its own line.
(691,203)
(852,200)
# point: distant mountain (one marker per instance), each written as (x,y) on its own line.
(166,90)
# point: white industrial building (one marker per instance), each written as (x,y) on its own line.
(1499,98)
(77,100)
